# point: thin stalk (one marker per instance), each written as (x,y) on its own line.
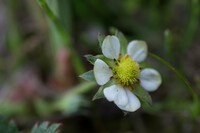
(195,109)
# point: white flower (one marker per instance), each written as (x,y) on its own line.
(126,73)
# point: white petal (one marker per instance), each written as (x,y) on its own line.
(150,79)
(111,47)
(102,72)
(117,94)
(133,102)
(111,93)
(121,99)
(137,50)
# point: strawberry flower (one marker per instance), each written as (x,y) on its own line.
(125,71)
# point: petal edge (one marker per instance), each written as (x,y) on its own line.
(137,50)
(111,47)
(133,102)
(102,72)
(150,79)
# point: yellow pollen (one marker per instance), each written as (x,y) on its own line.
(126,71)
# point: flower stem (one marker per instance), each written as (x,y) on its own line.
(195,107)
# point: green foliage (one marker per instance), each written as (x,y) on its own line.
(45,127)
(7,127)
(192,25)
(71,101)
(62,35)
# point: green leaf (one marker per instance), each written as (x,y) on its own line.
(100,38)
(89,76)
(7,127)
(45,128)
(99,94)
(143,95)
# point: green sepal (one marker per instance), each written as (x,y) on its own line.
(143,95)
(101,37)
(99,94)
(92,59)
(123,41)
(89,76)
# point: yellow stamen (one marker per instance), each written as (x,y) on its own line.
(126,71)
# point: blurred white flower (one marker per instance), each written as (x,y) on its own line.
(126,73)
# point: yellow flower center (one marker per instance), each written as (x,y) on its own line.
(126,71)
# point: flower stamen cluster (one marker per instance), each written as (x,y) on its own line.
(126,71)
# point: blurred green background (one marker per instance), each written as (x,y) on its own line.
(42,48)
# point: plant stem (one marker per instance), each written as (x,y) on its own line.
(195,109)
